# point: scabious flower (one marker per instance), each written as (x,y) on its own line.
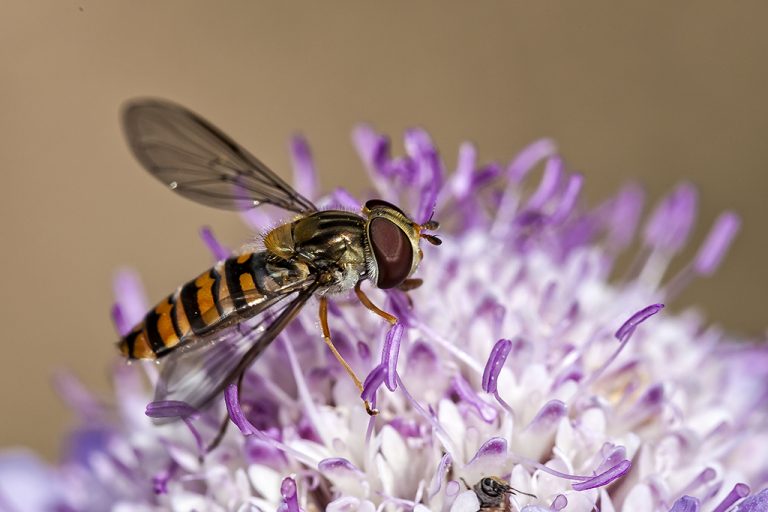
(523,357)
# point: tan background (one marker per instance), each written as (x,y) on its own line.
(660,92)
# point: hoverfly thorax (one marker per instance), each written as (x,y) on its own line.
(393,243)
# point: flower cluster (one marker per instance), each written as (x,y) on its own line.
(522,357)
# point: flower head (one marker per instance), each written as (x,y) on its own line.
(519,358)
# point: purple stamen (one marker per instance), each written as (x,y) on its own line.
(494,365)
(527,159)
(672,220)
(169,409)
(686,504)
(615,455)
(546,469)
(461,184)
(442,471)
(628,205)
(177,409)
(628,328)
(707,475)
(290,501)
(559,503)
(236,413)
(569,199)
(122,326)
(337,464)
(131,304)
(304,173)
(160,481)
(389,354)
(465,392)
(739,491)
(553,172)
(604,478)
(373,382)
(372,147)
(717,243)
(219,251)
(623,334)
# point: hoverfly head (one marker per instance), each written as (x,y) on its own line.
(394,242)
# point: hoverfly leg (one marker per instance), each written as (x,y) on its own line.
(392,319)
(327,338)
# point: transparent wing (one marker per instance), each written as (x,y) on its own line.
(200,162)
(198,371)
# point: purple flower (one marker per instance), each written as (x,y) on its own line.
(507,364)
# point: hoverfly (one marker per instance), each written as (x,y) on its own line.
(493,494)
(211,329)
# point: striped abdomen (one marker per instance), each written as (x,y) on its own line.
(230,291)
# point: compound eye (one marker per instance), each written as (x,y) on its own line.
(392,250)
(380,203)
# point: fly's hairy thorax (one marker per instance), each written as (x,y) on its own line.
(331,242)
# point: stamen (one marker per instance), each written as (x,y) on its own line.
(160,480)
(739,491)
(494,365)
(623,220)
(373,382)
(440,474)
(604,478)
(623,334)
(122,326)
(707,475)
(628,328)
(569,198)
(177,409)
(520,166)
(389,354)
(553,171)
(686,504)
(559,503)
(290,501)
(130,299)
(670,223)
(527,159)
(169,409)
(218,251)
(461,182)
(717,243)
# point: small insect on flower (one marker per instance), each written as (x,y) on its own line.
(211,329)
(493,494)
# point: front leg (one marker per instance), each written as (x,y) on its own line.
(339,358)
(392,319)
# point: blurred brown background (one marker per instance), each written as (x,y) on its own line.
(659,92)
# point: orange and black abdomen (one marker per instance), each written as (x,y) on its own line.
(231,287)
